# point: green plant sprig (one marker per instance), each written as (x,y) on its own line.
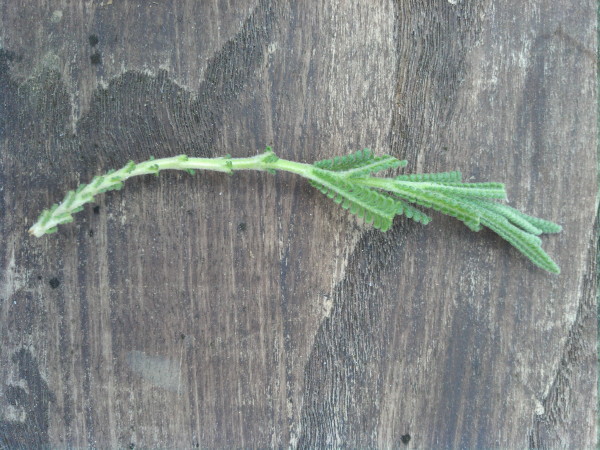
(348,181)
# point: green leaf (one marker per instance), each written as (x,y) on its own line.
(526,243)
(360,164)
(270,156)
(545,226)
(468,190)
(438,177)
(361,201)
(510,214)
(342,163)
(412,213)
(435,200)
(130,167)
(493,217)
(377,164)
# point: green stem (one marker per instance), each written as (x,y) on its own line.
(74,200)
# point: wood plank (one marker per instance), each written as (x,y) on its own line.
(248,311)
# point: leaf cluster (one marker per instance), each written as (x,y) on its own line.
(347,180)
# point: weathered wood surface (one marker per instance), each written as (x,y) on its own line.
(249,311)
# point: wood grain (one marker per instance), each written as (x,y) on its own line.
(248,311)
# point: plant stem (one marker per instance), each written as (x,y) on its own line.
(74,200)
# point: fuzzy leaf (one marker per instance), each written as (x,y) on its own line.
(412,213)
(375,165)
(509,213)
(438,177)
(469,190)
(362,201)
(545,226)
(527,243)
(435,200)
(270,157)
(342,163)
(130,167)
(360,164)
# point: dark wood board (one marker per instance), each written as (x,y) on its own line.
(250,311)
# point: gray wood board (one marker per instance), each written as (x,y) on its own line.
(250,311)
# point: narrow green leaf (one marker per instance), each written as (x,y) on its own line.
(375,165)
(544,225)
(130,167)
(342,163)
(527,243)
(509,213)
(454,176)
(523,242)
(362,201)
(360,163)
(412,213)
(270,157)
(438,201)
(468,190)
